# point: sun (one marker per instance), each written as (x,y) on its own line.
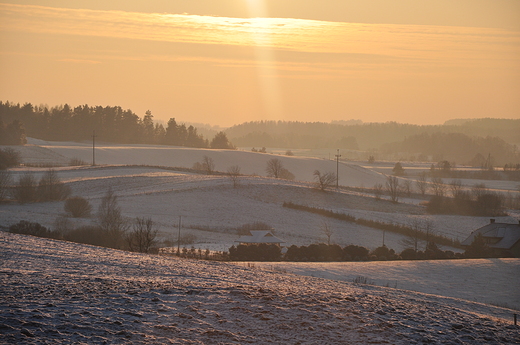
(257,8)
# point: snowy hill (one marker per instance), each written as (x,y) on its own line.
(209,205)
(61,293)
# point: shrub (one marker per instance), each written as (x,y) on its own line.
(5,184)
(260,252)
(111,221)
(398,169)
(62,225)
(276,169)
(356,252)
(362,280)
(478,248)
(485,204)
(25,191)
(77,162)
(77,207)
(29,228)
(409,254)
(92,235)
(50,188)
(9,158)
(142,238)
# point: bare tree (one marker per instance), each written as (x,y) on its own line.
(407,187)
(413,240)
(208,164)
(378,190)
(422,183)
(456,188)
(429,228)
(111,221)
(419,226)
(327,230)
(438,186)
(234,174)
(478,190)
(274,168)
(393,188)
(142,237)
(325,180)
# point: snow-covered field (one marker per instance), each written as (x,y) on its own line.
(212,203)
(491,281)
(104,295)
(56,292)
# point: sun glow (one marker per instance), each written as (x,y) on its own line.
(265,30)
(255,65)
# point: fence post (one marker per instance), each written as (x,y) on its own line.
(514,318)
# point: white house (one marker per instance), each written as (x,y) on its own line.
(502,238)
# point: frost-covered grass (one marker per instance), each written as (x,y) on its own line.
(56,292)
(491,281)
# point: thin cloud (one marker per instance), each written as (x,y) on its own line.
(276,33)
(80,61)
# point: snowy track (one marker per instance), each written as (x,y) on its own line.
(61,293)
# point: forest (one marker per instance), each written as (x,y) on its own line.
(461,141)
(108,124)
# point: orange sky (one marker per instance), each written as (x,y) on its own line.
(230,61)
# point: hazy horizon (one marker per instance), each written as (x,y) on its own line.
(236,61)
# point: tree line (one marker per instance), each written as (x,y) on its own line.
(110,123)
(484,152)
(461,141)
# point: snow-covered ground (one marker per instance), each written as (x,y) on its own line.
(57,292)
(491,281)
(211,202)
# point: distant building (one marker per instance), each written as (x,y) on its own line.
(258,237)
(502,238)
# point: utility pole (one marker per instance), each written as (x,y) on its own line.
(179,238)
(337,169)
(94,148)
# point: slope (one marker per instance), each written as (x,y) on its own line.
(60,293)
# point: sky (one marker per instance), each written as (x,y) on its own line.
(230,61)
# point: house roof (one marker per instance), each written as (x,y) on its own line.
(505,235)
(260,236)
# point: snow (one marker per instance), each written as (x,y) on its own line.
(210,202)
(251,163)
(71,293)
(56,292)
(491,281)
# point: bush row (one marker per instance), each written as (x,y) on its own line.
(395,228)
(487,204)
(326,253)
(28,189)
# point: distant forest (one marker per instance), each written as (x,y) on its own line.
(461,141)
(111,124)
